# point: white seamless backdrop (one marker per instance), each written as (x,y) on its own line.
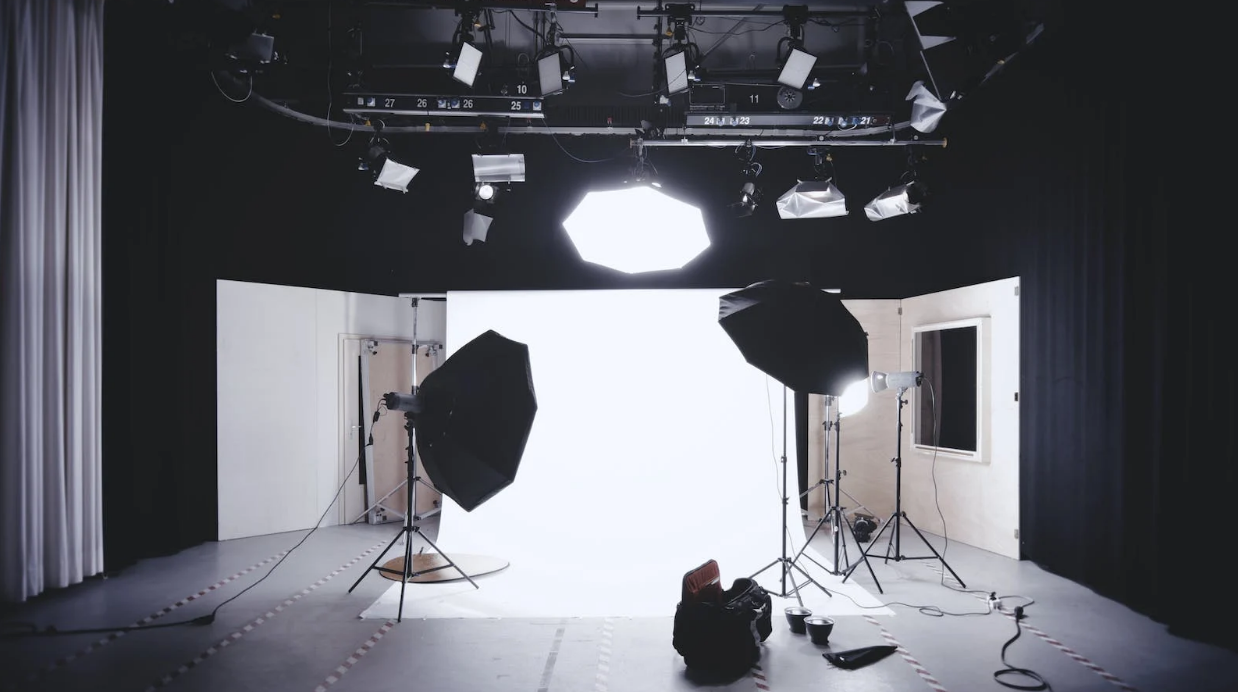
(655,448)
(652,450)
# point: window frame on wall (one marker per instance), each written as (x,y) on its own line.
(936,386)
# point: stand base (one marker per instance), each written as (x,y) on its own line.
(407,562)
(893,543)
(787,576)
(834,516)
(433,567)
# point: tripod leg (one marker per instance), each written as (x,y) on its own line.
(795,590)
(863,557)
(795,559)
(810,579)
(375,562)
(935,553)
(841,538)
(754,574)
(872,543)
(462,572)
(895,535)
(408,568)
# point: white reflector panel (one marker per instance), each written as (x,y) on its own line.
(395,176)
(467,64)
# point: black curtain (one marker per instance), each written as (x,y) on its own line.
(159,483)
(1126,460)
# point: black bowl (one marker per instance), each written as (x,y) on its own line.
(819,629)
(795,618)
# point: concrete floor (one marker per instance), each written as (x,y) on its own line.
(299,630)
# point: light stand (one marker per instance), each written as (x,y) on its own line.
(899,516)
(409,528)
(835,514)
(786,563)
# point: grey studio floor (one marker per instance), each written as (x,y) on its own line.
(299,630)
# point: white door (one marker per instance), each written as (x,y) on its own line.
(378,491)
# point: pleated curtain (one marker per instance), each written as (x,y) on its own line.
(51,100)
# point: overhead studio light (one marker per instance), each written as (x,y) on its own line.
(814,199)
(498,168)
(484,192)
(636,229)
(797,68)
(395,176)
(467,63)
(749,192)
(676,72)
(256,48)
(388,173)
(906,198)
(476,226)
(926,109)
(550,74)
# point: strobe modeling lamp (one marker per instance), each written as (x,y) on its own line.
(881,381)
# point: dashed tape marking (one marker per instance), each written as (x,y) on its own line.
(351,661)
(549,670)
(236,636)
(1071,653)
(758,677)
(601,681)
(95,646)
(902,651)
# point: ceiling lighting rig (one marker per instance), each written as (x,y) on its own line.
(757,92)
(795,65)
(682,60)
(749,192)
(556,60)
(907,197)
(493,175)
(377,162)
(817,198)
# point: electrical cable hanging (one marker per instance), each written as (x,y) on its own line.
(53,631)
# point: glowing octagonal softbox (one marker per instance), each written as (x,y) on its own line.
(636,229)
(477,410)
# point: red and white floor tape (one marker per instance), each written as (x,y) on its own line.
(257,622)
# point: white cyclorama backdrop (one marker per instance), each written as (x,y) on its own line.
(655,447)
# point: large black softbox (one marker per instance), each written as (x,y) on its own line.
(476,412)
(797,334)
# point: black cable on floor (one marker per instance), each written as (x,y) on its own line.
(30,630)
(1040,684)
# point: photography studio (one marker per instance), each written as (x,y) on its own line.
(315,321)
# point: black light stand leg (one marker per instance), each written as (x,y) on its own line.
(899,516)
(375,562)
(408,529)
(835,514)
(785,563)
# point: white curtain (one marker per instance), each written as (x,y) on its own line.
(51,103)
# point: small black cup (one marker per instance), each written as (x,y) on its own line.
(819,629)
(795,618)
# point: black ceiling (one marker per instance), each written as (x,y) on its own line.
(261,194)
(868,53)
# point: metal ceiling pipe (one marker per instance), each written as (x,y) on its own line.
(835,11)
(492,5)
(757,142)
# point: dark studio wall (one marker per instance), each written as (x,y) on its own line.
(1040,180)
